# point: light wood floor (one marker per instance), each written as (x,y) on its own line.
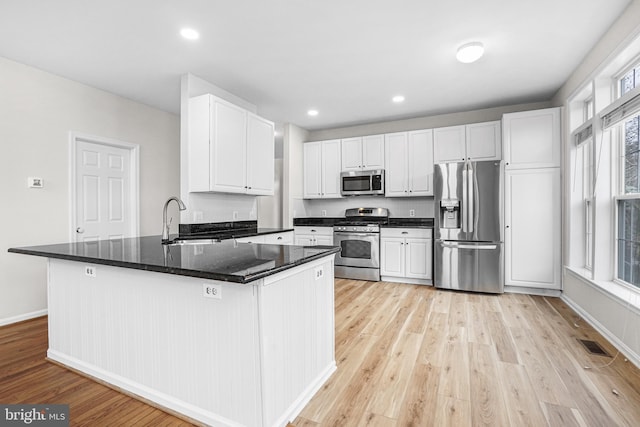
(406,355)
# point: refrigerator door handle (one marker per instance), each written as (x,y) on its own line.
(467,246)
(465,198)
(469,183)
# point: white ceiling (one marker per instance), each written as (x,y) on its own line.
(345,58)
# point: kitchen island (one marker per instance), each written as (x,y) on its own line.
(224,333)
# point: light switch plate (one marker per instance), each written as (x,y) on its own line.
(35,182)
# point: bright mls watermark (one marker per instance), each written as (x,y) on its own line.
(34,415)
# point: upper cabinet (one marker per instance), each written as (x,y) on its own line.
(478,141)
(409,164)
(322,169)
(363,153)
(532,139)
(230,150)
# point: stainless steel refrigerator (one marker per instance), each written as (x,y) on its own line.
(468,226)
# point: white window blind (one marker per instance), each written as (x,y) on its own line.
(624,107)
(583,133)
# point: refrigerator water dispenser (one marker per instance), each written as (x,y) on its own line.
(450,213)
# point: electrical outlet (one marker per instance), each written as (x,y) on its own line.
(210,290)
(235,215)
(324,212)
(89,270)
(319,272)
(35,182)
(412,212)
(198,216)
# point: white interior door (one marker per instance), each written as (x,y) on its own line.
(104,190)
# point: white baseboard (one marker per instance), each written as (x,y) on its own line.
(23,317)
(631,356)
(532,291)
(406,280)
(304,398)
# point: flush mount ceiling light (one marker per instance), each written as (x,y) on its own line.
(312,113)
(189,34)
(470,52)
(398,99)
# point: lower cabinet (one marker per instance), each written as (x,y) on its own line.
(285,238)
(406,255)
(313,236)
(533,237)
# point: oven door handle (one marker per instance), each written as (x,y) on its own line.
(341,233)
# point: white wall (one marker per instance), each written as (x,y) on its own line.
(614,316)
(293,204)
(426,122)
(37,111)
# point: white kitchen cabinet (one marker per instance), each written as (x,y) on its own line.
(406,255)
(230,150)
(322,169)
(284,238)
(313,236)
(251,239)
(532,139)
(409,164)
(476,142)
(363,153)
(532,228)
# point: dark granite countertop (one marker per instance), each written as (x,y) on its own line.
(226,230)
(316,221)
(411,222)
(393,222)
(227,261)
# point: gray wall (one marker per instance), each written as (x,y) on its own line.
(37,111)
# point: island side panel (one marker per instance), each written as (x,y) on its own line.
(157,336)
(296,310)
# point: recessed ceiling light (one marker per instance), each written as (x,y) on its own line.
(398,99)
(189,34)
(312,113)
(470,52)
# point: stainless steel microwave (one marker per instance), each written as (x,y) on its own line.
(362,183)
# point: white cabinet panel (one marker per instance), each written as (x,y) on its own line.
(373,152)
(352,154)
(331,169)
(449,144)
(532,221)
(312,170)
(406,253)
(418,258)
(285,238)
(322,166)
(532,139)
(409,164)
(363,153)
(477,141)
(229,149)
(260,155)
(392,255)
(312,236)
(484,141)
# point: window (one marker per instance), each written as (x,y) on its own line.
(585,150)
(629,80)
(588,109)
(629,203)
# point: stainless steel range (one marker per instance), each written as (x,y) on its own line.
(359,237)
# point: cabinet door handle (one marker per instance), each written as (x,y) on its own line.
(405,232)
(280,238)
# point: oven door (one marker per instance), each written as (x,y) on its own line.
(358,249)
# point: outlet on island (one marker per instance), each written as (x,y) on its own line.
(412,212)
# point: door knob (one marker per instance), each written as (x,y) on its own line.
(79,230)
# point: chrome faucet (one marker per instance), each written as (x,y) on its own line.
(165,226)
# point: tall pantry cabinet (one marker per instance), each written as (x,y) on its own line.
(532,146)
